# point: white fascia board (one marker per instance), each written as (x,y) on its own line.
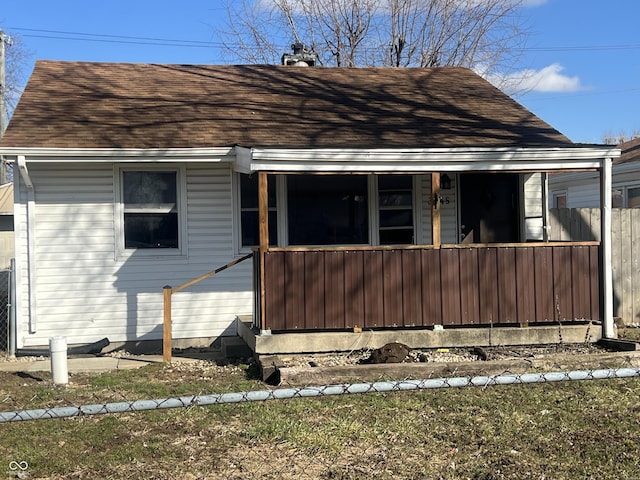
(150,155)
(429,159)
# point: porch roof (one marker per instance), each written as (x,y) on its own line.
(117,106)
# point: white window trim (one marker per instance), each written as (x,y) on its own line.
(559,193)
(625,186)
(282,213)
(122,253)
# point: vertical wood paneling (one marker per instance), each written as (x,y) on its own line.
(294,266)
(431,287)
(275,290)
(543,284)
(392,287)
(455,286)
(525,285)
(625,280)
(373,299)
(450,284)
(354,289)
(469,286)
(594,284)
(334,288)
(488,274)
(314,292)
(411,288)
(507,298)
(634,233)
(563,299)
(581,291)
(625,250)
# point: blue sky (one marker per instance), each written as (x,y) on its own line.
(583,55)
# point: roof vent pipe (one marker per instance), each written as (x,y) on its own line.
(300,57)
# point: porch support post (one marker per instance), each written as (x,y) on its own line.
(605,226)
(435,209)
(263,220)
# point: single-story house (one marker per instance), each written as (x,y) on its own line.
(383,199)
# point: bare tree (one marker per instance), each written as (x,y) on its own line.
(487,35)
(17,56)
(611,138)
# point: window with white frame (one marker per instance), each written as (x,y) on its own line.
(625,196)
(560,199)
(330,210)
(395,204)
(150,209)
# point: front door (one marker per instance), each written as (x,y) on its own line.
(489,210)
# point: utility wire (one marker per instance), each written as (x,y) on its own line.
(59,32)
(93,37)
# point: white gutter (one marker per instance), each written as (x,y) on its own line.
(426,159)
(218,154)
(31,240)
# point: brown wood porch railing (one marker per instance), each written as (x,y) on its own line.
(372,287)
(168,291)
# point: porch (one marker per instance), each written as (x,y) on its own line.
(316,299)
(454,285)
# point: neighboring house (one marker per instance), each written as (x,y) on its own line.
(582,190)
(378,198)
(6,225)
(575,202)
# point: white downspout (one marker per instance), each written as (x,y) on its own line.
(608,330)
(31,240)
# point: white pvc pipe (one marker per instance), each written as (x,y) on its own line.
(58,354)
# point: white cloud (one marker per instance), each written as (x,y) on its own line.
(547,79)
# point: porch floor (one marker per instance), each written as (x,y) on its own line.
(450,337)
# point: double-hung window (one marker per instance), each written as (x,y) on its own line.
(150,209)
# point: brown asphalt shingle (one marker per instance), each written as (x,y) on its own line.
(630,151)
(112,105)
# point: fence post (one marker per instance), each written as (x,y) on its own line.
(166,330)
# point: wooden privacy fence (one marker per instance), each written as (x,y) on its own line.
(583,224)
(319,289)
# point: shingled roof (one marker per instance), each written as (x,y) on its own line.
(113,105)
(630,151)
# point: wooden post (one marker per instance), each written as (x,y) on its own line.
(166,327)
(263,220)
(435,209)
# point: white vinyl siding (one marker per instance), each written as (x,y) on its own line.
(533,206)
(85,292)
(448,214)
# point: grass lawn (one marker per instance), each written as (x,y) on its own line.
(587,429)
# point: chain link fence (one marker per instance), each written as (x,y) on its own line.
(320,391)
(6,286)
(511,425)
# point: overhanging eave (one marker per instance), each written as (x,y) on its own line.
(422,160)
